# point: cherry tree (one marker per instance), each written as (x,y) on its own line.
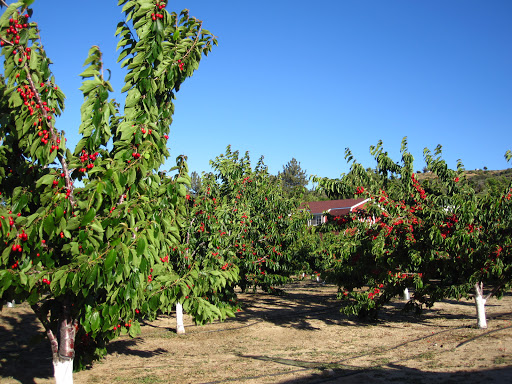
(262,223)
(437,237)
(241,223)
(88,233)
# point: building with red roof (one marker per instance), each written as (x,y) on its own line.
(336,208)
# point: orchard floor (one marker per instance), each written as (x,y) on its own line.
(297,337)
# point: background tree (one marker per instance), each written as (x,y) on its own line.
(438,237)
(270,221)
(293,177)
(195,183)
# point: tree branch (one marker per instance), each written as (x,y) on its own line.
(54,137)
(495,289)
(51,336)
(195,41)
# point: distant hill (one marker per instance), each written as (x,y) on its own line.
(480,180)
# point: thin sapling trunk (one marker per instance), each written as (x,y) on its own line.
(180,328)
(406,296)
(480,305)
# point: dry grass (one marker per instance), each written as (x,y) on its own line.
(299,337)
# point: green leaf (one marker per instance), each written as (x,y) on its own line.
(92,275)
(133,98)
(134,329)
(95,321)
(72,224)
(23,278)
(96,226)
(52,157)
(125,88)
(49,225)
(89,85)
(89,72)
(20,204)
(59,212)
(89,216)
(45,180)
(9,12)
(110,260)
(141,245)
(5,281)
(63,281)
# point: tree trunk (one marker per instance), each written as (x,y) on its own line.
(63,353)
(180,328)
(407,296)
(63,350)
(480,305)
(63,371)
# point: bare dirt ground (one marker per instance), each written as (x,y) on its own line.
(298,337)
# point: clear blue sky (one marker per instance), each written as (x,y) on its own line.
(306,79)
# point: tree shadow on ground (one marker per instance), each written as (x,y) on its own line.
(126,347)
(389,373)
(305,305)
(301,304)
(295,306)
(25,353)
(401,374)
(291,310)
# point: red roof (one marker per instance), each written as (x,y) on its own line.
(335,207)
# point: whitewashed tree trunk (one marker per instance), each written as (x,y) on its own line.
(63,371)
(180,328)
(407,296)
(63,349)
(480,305)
